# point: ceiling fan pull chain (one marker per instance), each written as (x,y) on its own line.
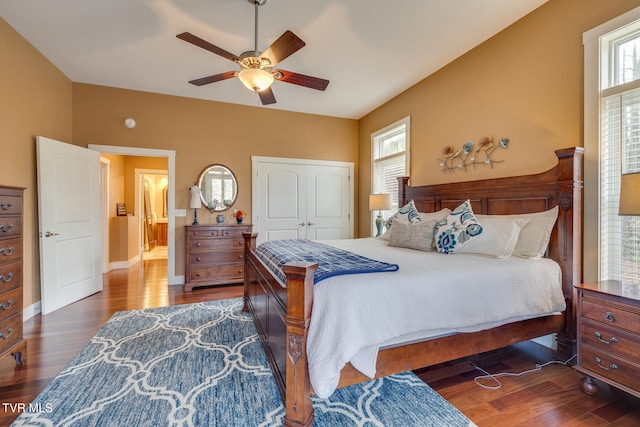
(255,32)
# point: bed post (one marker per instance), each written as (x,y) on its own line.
(570,189)
(299,410)
(249,244)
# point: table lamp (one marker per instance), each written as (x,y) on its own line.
(195,202)
(379,202)
(629,194)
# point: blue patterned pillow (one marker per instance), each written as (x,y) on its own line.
(407,213)
(457,229)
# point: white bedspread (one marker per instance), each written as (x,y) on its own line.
(354,315)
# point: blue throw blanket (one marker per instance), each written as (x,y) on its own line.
(331,261)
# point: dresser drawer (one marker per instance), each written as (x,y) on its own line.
(10,331)
(10,250)
(10,276)
(617,315)
(10,226)
(215,258)
(612,367)
(234,231)
(614,341)
(10,303)
(203,233)
(10,205)
(223,272)
(216,244)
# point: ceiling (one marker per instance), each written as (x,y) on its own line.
(370,51)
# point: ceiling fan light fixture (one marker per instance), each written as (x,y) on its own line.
(256,79)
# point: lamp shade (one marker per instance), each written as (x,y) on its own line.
(255,79)
(630,194)
(195,202)
(379,202)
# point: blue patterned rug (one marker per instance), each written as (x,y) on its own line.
(203,365)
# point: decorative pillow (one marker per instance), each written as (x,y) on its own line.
(407,213)
(457,229)
(534,236)
(418,235)
(498,238)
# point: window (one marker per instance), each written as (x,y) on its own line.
(390,160)
(619,151)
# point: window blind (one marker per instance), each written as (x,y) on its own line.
(619,153)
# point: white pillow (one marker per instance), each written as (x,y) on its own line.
(418,235)
(441,214)
(457,229)
(534,236)
(498,238)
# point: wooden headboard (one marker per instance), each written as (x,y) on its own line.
(561,186)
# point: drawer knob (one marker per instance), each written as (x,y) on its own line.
(6,307)
(6,278)
(612,340)
(7,335)
(198,244)
(7,251)
(612,366)
(240,243)
(6,206)
(609,316)
(198,274)
(5,228)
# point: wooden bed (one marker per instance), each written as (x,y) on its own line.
(282,315)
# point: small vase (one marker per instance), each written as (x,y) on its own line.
(239,220)
(220,219)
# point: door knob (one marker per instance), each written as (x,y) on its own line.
(301,224)
(309,223)
(50,234)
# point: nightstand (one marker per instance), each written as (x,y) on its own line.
(608,315)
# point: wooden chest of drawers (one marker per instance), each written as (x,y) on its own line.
(214,255)
(11,340)
(609,335)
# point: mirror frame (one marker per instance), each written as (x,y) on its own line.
(205,203)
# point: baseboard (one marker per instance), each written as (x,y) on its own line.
(32,310)
(124,264)
(177,280)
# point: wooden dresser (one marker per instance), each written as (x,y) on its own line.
(214,255)
(609,335)
(11,341)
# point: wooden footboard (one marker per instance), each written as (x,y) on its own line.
(282,314)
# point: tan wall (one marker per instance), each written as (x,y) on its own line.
(35,100)
(525,83)
(204,132)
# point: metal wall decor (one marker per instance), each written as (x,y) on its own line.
(469,155)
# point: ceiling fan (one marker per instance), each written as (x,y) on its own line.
(256,68)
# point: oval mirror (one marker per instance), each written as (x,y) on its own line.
(218,187)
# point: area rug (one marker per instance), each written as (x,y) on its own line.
(203,365)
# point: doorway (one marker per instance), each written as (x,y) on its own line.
(152,189)
(170,195)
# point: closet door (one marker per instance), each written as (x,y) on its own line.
(294,199)
(281,202)
(328,202)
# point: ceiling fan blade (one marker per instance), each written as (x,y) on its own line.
(195,40)
(287,44)
(301,79)
(267,97)
(212,79)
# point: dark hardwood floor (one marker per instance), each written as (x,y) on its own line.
(550,397)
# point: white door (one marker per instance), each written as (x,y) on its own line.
(327,202)
(281,195)
(296,199)
(69,217)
